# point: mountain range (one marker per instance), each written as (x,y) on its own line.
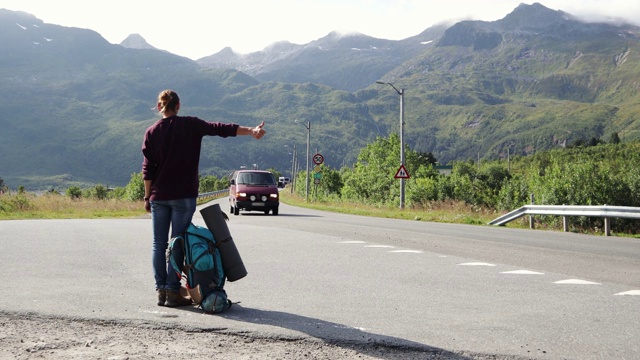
(76,106)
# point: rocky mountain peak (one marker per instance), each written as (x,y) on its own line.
(136,41)
(534,16)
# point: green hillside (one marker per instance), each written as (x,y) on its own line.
(76,107)
(487,90)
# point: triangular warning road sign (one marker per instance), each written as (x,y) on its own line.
(402,173)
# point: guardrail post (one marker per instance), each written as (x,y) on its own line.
(607,223)
(531,223)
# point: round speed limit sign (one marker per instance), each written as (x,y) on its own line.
(318,159)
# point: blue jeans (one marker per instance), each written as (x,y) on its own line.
(176,214)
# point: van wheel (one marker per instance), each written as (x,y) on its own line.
(274,211)
(236,211)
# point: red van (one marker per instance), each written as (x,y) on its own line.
(253,190)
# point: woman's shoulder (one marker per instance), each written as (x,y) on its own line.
(154,126)
(190,119)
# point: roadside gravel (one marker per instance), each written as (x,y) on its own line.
(29,336)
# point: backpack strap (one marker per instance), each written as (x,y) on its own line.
(180,237)
(218,244)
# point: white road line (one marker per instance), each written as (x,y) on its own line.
(476,264)
(522,272)
(512,272)
(630,292)
(576,282)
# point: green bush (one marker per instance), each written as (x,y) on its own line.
(74,192)
(422,190)
(134,190)
(514,194)
(14,202)
(117,193)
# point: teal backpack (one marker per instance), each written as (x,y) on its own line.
(195,256)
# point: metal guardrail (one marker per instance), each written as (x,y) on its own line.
(217,193)
(604,211)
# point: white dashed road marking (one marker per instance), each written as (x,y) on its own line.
(522,272)
(476,264)
(512,272)
(576,282)
(630,292)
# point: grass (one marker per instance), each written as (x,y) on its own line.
(454,212)
(448,212)
(52,206)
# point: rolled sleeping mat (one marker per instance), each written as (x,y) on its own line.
(216,222)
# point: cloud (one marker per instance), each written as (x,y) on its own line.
(199,28)
(599,11)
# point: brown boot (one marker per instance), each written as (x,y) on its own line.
(162,296)
(174,299)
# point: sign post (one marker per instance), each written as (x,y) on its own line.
(317,175)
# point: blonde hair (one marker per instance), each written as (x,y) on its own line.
(168,100)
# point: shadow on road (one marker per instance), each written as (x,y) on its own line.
(375,345)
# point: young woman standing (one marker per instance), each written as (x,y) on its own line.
(171,150)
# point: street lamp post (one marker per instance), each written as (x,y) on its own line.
(308,126)
(401,93)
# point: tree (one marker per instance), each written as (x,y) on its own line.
(100,192)
(615,139)
(134,190)
(426,159)
(275,173)
(74,192)
(594,142)
(372,177)
(331,182)
(207,184)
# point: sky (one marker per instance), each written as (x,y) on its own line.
(198,28)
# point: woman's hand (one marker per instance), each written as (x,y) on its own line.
(258,132)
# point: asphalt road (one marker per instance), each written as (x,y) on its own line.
(353,280)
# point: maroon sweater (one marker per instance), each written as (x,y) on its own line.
(171,150)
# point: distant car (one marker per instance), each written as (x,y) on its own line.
(283,181)
(253,190)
